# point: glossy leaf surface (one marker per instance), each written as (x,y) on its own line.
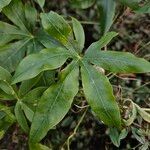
(107,13)
(34,64)
(58,28)
(79,33)
(99,94)
(119,62)
(55,103)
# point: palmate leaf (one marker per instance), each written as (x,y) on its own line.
(23,32)
(99,94)
(34,64)
(55,103)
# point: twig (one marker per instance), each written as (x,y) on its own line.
(75,130)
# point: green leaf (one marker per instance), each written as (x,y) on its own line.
(5,79)
(2,132)
(27,111)
(4,75)
(82,4)
(79,33)
(47,59)
(47,40)
(38,146)
(31,98)
(9,32)
(12,54)
(107,13)
(123,134)
(4,3)
(96,46)
(7,119)
(116,136)
(55,103)
(15,12)
(27,85)
(8,113)
(134,4)
(48,78)
(6,87)
(99,94)
(143,113)
(4,96)
(144,9)
(31,16)
(40,2)
(119,62)
(30,101)
(21,117)
(34,46)
(16,40)
(58,28)
(44,79)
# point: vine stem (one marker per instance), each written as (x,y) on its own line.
(75,129)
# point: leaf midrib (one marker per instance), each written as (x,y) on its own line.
(42,62)
(98,93)
(16,51)
(20,20)
(54,102)
(73,52)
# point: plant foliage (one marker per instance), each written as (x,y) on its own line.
(41,99)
